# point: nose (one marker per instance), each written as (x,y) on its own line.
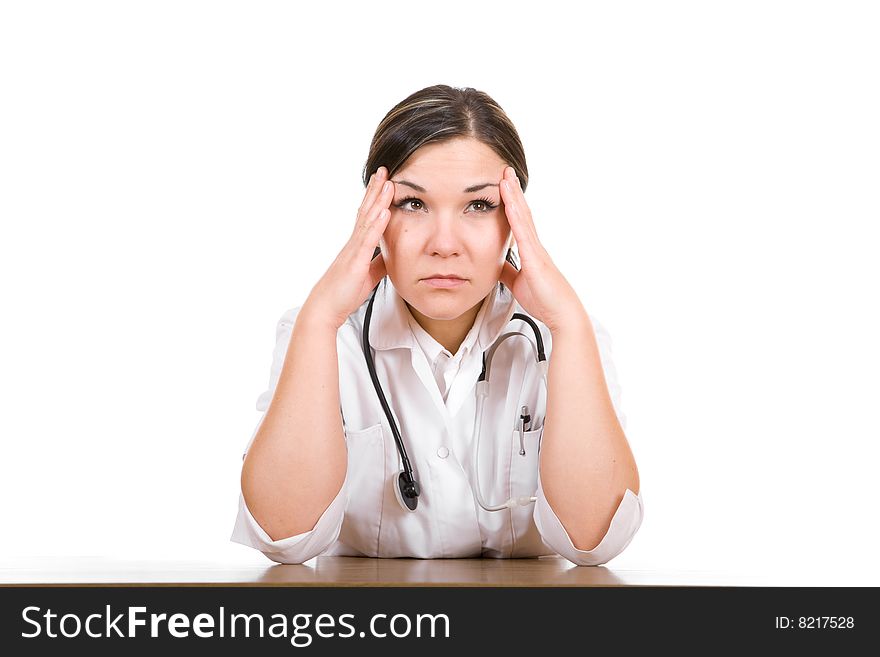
(445,236)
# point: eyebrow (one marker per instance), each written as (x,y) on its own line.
(467,190)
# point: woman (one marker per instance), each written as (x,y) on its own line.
(342,464)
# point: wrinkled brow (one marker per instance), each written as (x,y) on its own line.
(467,190)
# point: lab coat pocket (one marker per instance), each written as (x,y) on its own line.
(366,482)
(524,482)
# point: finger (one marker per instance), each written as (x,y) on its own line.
(374,227)
(369,186)
(521,206)
(518,214)
(508,197)
(374,187)
(366,219)
(367,192)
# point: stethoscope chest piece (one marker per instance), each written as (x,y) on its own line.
(406,490)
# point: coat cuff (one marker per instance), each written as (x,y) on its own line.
(293,549)
(624,525)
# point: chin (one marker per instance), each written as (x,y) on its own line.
(445,305)
(441,309)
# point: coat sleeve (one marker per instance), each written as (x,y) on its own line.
(247,531)
(629,514)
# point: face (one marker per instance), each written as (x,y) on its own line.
(439,228)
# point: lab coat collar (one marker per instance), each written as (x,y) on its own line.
(433,349)
(389,326)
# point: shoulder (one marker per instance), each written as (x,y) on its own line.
(288,318)
(603,335)
(350,329)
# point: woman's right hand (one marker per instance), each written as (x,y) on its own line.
(353,275)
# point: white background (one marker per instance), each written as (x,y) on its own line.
(175,175)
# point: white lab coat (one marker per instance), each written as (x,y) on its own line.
(433,400)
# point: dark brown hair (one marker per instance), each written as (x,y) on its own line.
(439,113)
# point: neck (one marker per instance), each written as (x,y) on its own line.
(448,332)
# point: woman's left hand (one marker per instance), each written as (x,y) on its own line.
(539,287)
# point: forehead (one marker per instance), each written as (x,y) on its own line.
(453,161)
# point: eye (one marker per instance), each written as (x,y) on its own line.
(485,204)
(405,201)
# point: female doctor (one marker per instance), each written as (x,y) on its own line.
(414,407)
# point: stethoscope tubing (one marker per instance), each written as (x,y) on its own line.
(482,393)
(407,489)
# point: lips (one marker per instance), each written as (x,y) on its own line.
(444,281)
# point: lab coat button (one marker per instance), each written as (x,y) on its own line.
(443,452)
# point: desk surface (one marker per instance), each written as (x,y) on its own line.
(349,571)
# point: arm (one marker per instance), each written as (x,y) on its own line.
(296,465)
(589,506)
(294,477)
(587,473)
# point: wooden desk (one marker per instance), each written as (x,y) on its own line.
(350,571)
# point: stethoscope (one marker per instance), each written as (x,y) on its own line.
(407,490)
